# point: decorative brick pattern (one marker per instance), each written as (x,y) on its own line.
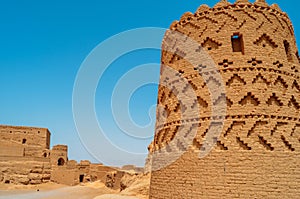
(258,152)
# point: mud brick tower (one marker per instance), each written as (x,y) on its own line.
(257,154)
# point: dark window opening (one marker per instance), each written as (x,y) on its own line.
(24,141)
(81,177)
(297,55)
(7,182)
(60,162)
(237,43)
(45,155)
(287,48)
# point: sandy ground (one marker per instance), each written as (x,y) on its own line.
(115,196)
(53,191)
(95,190)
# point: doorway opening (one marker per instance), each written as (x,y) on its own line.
(81,177)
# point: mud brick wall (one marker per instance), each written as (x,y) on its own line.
(257,154)
(229,174)
(24,141)
(24,170)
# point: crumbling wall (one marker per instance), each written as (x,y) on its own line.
(59,155)
(24,170)
(65,176)
(25,158)
(113,179)
(99,172)
(24,153)
(24,141)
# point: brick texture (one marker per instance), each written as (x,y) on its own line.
(257,154)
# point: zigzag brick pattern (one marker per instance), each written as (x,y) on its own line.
(258,153)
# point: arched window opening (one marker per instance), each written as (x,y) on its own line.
(24,141)
(237,43)
(45,155)
(287,48)
(60,162)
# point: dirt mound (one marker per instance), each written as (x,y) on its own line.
(135,185)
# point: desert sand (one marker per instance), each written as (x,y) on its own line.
(53,191)
(137,189)
(115,196)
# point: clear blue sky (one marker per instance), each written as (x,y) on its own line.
(43,43)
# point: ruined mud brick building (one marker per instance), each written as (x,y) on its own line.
(257,154)
(26,158)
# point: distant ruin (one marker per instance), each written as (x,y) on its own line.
(257,154)
(26,158)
